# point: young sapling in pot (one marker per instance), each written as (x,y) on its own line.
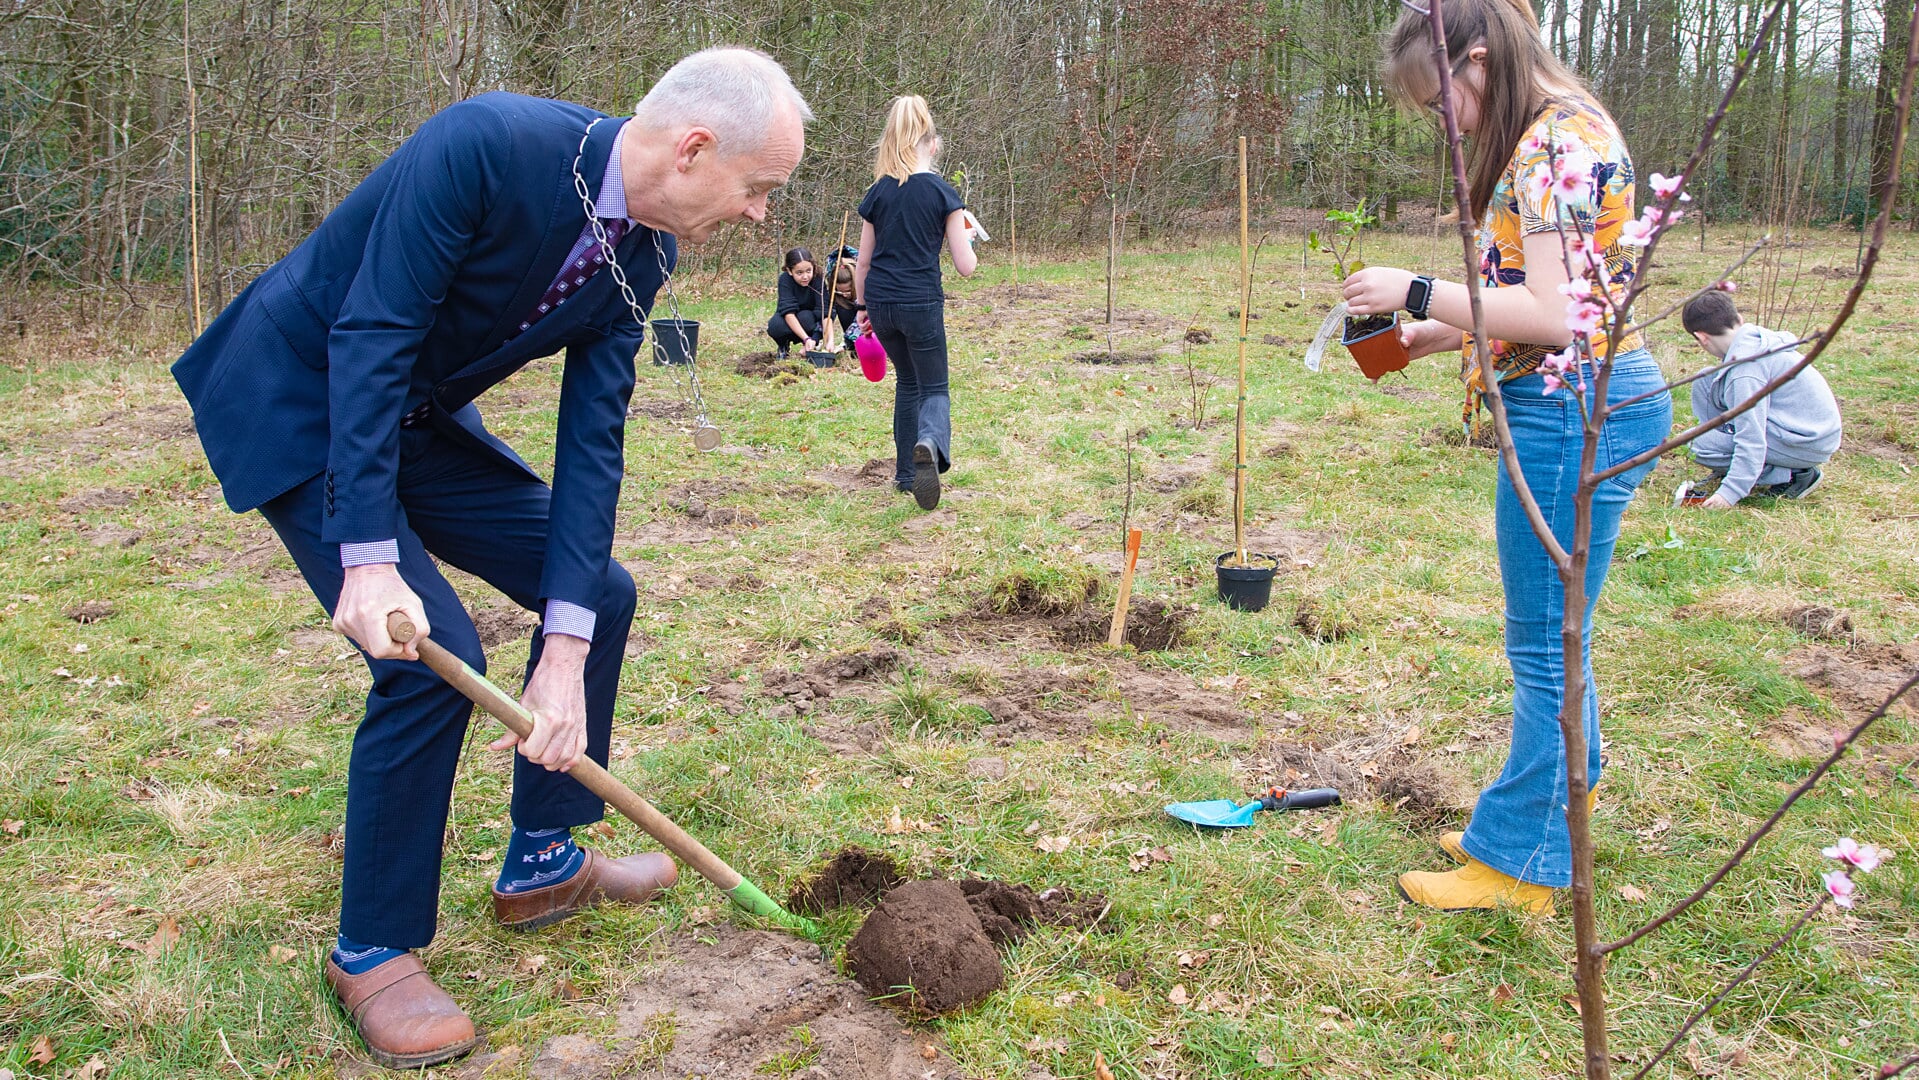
(1373,339)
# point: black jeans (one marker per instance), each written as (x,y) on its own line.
(782,334)
(914,336)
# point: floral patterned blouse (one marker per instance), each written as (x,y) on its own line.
(1570,132)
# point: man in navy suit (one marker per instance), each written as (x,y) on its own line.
(335,395)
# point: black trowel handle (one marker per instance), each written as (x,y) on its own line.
(1280,799)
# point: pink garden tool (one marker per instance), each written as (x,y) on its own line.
(872,356)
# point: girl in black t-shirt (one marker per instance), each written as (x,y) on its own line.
(802,303)
(907,216)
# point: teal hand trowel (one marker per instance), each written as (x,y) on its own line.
(1227,814)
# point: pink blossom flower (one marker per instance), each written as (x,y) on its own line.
(1539,183)
(1582,315)
(1578,288)
(1555,367)
(1866,857)
(1726,286)
(1662,217)
(1664,186)
(1840,886)
(1636,233)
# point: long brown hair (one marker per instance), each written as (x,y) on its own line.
(1522,75)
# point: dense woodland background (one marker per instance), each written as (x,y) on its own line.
(1049,107)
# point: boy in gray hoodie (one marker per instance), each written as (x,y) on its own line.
(1776,447)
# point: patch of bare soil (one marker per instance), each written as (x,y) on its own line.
(1007,911)
(1404,390)
(1152,625)
(801,692)
(853,878)
(738,1004)
(661,410)
(1820,621)
(497,625)
(877,472)
(1008,293)
(1405,778)
(81,502)
(768,365)
(698,500)
(1117,357)
(1450,434)
(1860,678)
(90,611)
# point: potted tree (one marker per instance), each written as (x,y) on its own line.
(1374,339)
(1245,578)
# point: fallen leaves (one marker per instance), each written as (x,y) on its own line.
(530,964)
(1053,845)
(42,1052)
(897,824)
(164,936)
(1100,1071)
(11,827)
(280,954)
(1178,995)
(94,1069)
(1193,958)
(1632,893)
(1143,859)
(1502,993)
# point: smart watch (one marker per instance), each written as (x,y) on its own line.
(1419,296)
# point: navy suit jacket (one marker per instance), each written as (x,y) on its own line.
(407,294)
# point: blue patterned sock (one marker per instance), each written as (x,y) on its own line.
(357,959)
(536,858)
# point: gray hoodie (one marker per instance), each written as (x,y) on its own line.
(1796,427)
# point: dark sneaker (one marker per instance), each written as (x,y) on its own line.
(926,476)
(1803,483)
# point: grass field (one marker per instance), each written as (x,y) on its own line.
(172,772)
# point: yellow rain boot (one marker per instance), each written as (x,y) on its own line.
(1474,885)
(1449,842)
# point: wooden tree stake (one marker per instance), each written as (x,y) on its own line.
(1239,422)
(1117,636)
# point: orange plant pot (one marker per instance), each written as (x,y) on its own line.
(1378,352)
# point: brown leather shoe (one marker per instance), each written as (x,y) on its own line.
(634,879)
(405,1019)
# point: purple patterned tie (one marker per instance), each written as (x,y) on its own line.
(576,274)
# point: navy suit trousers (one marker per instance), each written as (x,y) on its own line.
(479,514)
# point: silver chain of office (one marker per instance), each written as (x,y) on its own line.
(705,435)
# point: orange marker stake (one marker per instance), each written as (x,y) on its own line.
(1118,634)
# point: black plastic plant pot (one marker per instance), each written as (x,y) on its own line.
(823,359)
(668,346)
(1249,587)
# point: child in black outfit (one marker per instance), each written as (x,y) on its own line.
(908,216)
(802,302)
(844,308)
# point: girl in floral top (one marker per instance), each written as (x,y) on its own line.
(1551,184)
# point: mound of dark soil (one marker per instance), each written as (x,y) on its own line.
(853,878)
(768,365)
(1006,911)
(924,947)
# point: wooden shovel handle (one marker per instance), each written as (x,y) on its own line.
(507,711)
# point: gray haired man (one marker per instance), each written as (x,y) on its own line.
(335,395)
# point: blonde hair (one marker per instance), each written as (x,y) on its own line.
(909,127)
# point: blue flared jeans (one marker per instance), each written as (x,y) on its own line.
(1519,824)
